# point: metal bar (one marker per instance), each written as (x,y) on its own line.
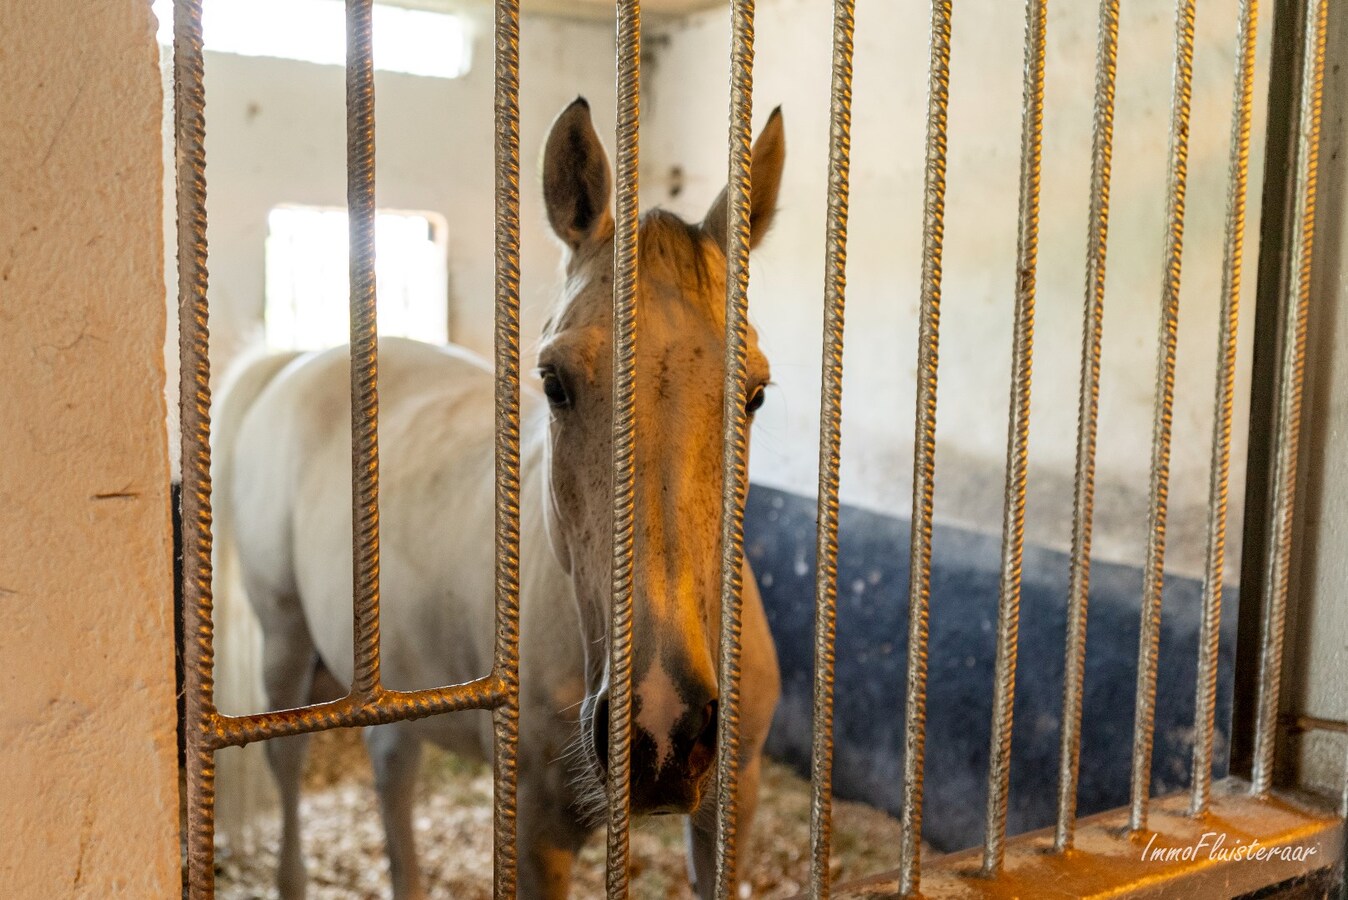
(830,448)
(1144,724)
(624,438)
(1088,414)
(1300,724)
(487,692)
(1275,237)
(194,399)
(1205,704)
(924,448)
(1289,390)
(364,347)
(506,667)
(1018,440)
(734,447)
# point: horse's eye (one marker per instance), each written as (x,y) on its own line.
(554,390)
(755,401)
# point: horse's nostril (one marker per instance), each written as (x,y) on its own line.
(599,724)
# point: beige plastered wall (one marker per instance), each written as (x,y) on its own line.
(88,787)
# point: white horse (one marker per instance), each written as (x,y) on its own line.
(284,482)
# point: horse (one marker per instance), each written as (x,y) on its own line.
(283,477)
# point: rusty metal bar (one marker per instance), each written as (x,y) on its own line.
(364,347)
(830,448)
(1144,724)
(487,692)
(1292,353)
(506,666)
(194,399)
(734,452)
(1205,704)
(1018,440)
(924,448)
(624,438)
(1088,414)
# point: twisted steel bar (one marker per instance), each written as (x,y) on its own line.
(194,399)
(487,692)
(624,438)
(506,667)
(1144,724)
(1088,414)
(1018,440)
(830,448)
(1205,704)
(924,448)
(1291,377)
(364,347)
(734,447)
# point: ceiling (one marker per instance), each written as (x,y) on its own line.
(574,9)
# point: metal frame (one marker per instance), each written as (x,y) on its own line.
(368,702)
(1073,859)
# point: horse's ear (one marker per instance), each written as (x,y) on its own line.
(577,182)
(766,177)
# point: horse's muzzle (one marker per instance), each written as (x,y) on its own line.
(672,781)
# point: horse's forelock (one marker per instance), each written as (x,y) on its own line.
(671,250)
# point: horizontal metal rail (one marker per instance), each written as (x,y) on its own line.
(1242,845)
(356,711)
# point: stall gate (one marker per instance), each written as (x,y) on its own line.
(1095,856)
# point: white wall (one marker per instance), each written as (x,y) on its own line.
(685,122)
(276,134)
(88,775)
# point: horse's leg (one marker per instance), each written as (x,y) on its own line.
(395,754)
(547,846)
(701,831)
(289,661)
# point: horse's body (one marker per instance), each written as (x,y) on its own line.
(287,489)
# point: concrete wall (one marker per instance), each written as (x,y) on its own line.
(686,113)
(88,787)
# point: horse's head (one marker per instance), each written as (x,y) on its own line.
(680,345)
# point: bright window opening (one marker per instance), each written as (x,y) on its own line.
(307,293)
(414,41)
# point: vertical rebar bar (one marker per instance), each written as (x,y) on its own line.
(1018,440)
(1205,704)
(830,448)
(507,338)
(360,201)
(1088,414)
(734,447)
(924,448)
(1291,375)
(1144,724)
(194,399)
(624,437)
